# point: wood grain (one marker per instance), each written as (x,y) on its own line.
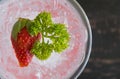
(104,16)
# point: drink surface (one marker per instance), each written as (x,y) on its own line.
(58,66)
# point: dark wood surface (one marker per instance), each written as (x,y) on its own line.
(104,16)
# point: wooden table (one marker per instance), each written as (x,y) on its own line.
(104,16)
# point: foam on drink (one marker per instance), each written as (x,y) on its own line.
(58,66)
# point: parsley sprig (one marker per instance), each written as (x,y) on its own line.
(56,33)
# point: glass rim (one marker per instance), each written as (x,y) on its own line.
(84,17)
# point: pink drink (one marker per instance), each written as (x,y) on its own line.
(58,66)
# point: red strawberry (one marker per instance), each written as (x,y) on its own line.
(23,45)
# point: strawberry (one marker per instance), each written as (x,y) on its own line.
(23,45)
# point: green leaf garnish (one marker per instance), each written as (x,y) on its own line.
(40,23)
(56,33)
(22,22)
(42,51)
